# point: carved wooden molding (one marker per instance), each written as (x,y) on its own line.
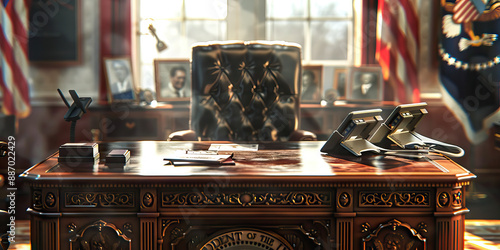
(246,199)
(457,199)
(147,199)
(443,200)
(394,199)
(99,199)
(50,200)
(37,199)
(344,200)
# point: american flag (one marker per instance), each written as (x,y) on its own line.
(467,10)
(397,47)
(14,57)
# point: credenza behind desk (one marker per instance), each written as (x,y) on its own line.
(283,196)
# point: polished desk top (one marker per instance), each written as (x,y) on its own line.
(289,161)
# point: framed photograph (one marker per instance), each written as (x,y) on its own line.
(173,80)
(120,81)
(340,82)
(55,40)
(312,83)
(366,84)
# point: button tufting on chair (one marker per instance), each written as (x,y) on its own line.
(245,91)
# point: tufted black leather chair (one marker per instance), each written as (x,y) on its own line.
(245,91)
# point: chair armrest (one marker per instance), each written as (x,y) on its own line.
(302,135)
(183,135)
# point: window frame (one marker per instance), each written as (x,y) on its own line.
(307,46)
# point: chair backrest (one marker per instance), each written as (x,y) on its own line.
(245,91)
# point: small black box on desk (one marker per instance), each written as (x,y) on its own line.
(85,152)
(118,156)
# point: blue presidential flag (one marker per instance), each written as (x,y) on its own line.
(470,63)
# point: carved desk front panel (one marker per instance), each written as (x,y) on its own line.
(283,196)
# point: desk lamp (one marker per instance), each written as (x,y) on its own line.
(75,111)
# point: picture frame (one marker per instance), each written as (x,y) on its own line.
(340,76)
(120,79)
(56,42)
(365,84)
(312,84)
(178,90)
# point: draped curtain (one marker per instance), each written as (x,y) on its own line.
(115,36)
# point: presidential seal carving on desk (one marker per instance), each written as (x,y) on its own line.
(246,239)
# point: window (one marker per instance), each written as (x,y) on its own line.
(178,23)
(324,28)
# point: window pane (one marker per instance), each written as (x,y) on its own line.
(148,77)
(329,40)
(286,8)
(216,9)
(202,31)
(331,8)
(281,30)
(161,9)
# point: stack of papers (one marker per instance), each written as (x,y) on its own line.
(200,157)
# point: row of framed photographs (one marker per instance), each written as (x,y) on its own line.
(349,83)
(172,80)
(173,83)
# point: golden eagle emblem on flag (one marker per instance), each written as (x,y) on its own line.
(465,12)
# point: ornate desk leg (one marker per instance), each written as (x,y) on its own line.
(45,220)
(45,233)
(450,217)
(149,219)
(344,218)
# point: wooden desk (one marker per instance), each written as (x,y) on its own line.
(284,196)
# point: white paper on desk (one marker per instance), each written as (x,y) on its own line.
(198,158)
(234,147)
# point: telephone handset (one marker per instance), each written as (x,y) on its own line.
(399,128)
(353,132)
